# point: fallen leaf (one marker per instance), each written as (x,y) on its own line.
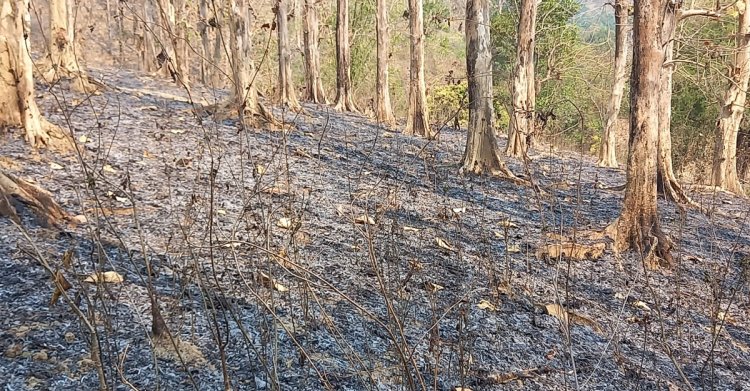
(61,285)
(55,166)
(459,210)
(147,154)
(508,224)
(410,229)
(83,139)
(110,276)
(284,222)
(109,169)
(557,311)
(432,287)
(269,282)
(641,305)
(514,248)
(486,305)
(444,245)
(364,219)
(80,219)
(260,169)
(121,199)
(221,211)
(177,131)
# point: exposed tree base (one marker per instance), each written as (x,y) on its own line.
(673,191)
(49,136)
(647,238)
(345,104)
(606,163)
(15,193)
(79,81)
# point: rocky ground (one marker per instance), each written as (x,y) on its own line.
(341,255)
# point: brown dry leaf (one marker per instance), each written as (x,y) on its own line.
(364,219)
(486,305)
(641,305)
(406,228)
(574,251)
(147,154)
(432,287)
(557,311)
(508,224)
(585,321)
(444,245)
(67,259)
(61,285)
(55,166)
(13,350)
(110,277)
(80,219)
(184,162)
(269,282)
(302,153)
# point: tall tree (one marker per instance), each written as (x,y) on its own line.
(244,94)
(310,37)
(607,155)
(17,104)
(481,153)
(146,40)
(732,109)
(417,117)
(383,110)
(638,225)
(344,101)
(287,95)
(62,60)
(523,88)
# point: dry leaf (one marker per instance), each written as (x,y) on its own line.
(365,219)
(284,222)
(459,210)
(486,305)
(574,251)
(459,388)
(221,211)
(444,245)
(432,287)
(110,276)
(109,169)
(641,305)
(508,224)
(55,166)
(514,248)
(557,311)
(61,285)
(147,154)
(260,169)
(83,139)
(177,131)
(67,259)
(121,199)
(271,283)
(80,219)
(410,229)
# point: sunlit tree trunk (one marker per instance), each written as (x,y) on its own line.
(17,104)
(481,154)
(203,25)
(181,39)
(417,117)
(63,58)
(344,101)
(311,36)
(638,224)
(287,95)
(383,110)
(732,109)
(523,83)
(244,94)
(607,155)
(148,49)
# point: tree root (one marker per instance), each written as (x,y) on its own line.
(648,240)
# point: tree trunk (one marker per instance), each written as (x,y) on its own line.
(417,118)
(481,153)
(17,105)
(287,95)
(607,155)
(666,181)
(16,193)
(311,36)
(244,94)
(181,40)
(638,225)
(733,109)
(62,60)
(203,26)
(148,50)
(344,100)
(383,110)
(520,133)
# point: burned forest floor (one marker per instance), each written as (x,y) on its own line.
(338,254)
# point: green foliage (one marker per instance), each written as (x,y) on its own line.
(447,100)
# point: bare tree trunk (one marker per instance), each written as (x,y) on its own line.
(203,25)
(607,153)
(383,110)
(218,55)
(638,225)
(311,36)
(62,61)
(481,153)
(287,95)
(299,25)
(523,83)
(344,100)
(417,117)
(733,109)
(666,181)
(148,53)
(244,94)
(17,104)
(181,40)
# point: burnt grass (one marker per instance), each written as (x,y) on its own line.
(356,306)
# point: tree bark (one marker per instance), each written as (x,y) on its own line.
(638,227)
(205,43)
(16,193)
(244,94)
(182,44)
(311,36)
(383,109)
(481,154)
(732,109)
(417,117)
(287,95)
(523,90)
(344,101)
(607,154)
(666,181)
(17,104)
(62,60)
(148,49)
